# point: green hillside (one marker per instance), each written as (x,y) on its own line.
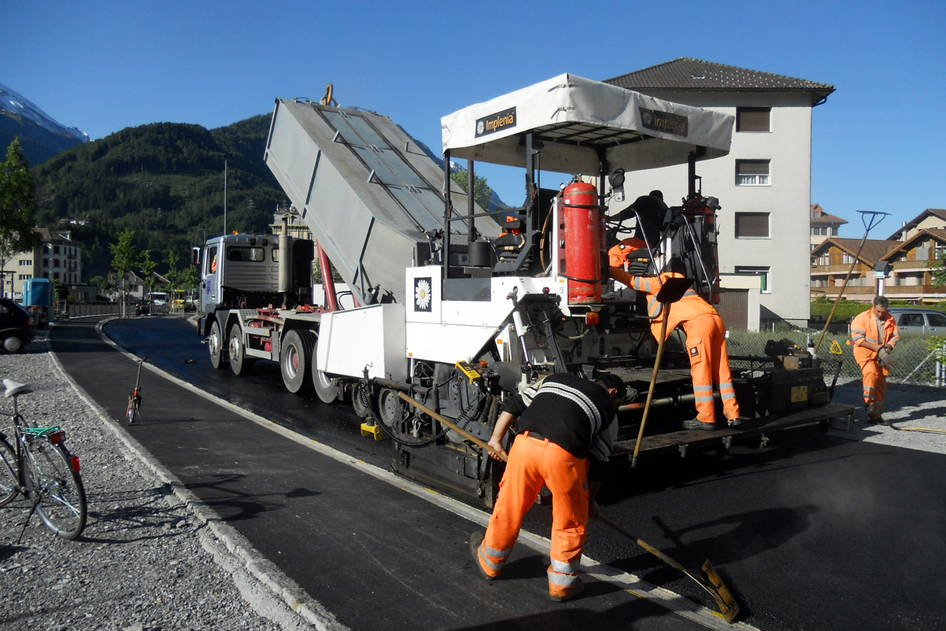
(164,181)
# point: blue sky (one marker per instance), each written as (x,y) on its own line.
(878,142)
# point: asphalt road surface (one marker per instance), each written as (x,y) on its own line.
(812,532)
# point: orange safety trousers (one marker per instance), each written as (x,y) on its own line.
(532,463)
(709,366)
(875,384)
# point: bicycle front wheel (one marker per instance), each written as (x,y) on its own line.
(53,480)
(9,479)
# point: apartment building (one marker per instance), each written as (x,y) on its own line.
(57,257)
(823,225)
(764,184)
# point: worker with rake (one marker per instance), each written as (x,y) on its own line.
(566,427)
(875,334)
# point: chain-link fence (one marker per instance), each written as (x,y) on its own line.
(912,361)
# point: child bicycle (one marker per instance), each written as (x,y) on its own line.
(39,466)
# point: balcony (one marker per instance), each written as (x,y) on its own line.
(840,268)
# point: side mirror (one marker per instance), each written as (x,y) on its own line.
(195,255)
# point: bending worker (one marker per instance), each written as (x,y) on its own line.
(874,334)
(564,423)
(705,340)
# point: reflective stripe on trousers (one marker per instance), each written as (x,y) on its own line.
(562,576)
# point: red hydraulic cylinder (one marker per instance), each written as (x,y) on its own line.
(328,283)
(583,237)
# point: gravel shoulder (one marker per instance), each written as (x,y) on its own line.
(146,560)
(912,411)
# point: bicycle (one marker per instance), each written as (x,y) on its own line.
(39,467)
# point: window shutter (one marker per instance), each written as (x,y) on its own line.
(753,118)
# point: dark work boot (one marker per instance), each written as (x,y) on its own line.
(476,539)
(698,424)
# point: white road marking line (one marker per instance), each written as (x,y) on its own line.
(630,583)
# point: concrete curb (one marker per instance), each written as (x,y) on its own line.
(231,550)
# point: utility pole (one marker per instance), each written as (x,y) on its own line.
(224,197)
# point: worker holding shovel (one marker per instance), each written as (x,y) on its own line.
(566,426)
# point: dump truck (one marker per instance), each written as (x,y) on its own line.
(458,307)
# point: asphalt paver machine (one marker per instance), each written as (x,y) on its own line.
(458,307)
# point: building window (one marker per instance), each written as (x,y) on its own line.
(763,274)
(26,276)
(940,251)
(846,259)
(752,173)
(753,118)
(752,225)
(26,262)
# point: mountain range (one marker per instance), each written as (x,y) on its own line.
(41,135)
(163,181)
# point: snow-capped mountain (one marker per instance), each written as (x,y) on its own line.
(15,103)
(41,135)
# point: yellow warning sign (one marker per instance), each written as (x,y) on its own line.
(836,348)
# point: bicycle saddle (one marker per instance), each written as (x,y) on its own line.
(14,388)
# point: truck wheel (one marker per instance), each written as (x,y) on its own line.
(13,344)
(215,347)
(240,364)
(294,360)
(327,389)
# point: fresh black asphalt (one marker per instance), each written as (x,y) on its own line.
(812,532)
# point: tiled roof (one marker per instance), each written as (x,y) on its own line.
(937,233)
(936,212)
(874,249)
(688,73)
(818,215)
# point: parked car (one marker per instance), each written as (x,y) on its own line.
(16,326)
(919,321)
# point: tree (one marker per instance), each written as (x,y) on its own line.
(482,193)
(124,257)
(939,270)
(17,206)
(173,273)
(148,266)
(103,283)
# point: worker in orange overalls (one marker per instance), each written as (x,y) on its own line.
(705,339)
(874,334)
(566,427)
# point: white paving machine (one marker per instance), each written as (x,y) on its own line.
(458,306)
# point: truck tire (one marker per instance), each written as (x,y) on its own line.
(218,358)
(294,359)
(240,364)
(326,388)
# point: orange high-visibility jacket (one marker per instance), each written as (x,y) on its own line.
(687,308)
(864,328)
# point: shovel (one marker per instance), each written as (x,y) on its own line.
(708,579)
